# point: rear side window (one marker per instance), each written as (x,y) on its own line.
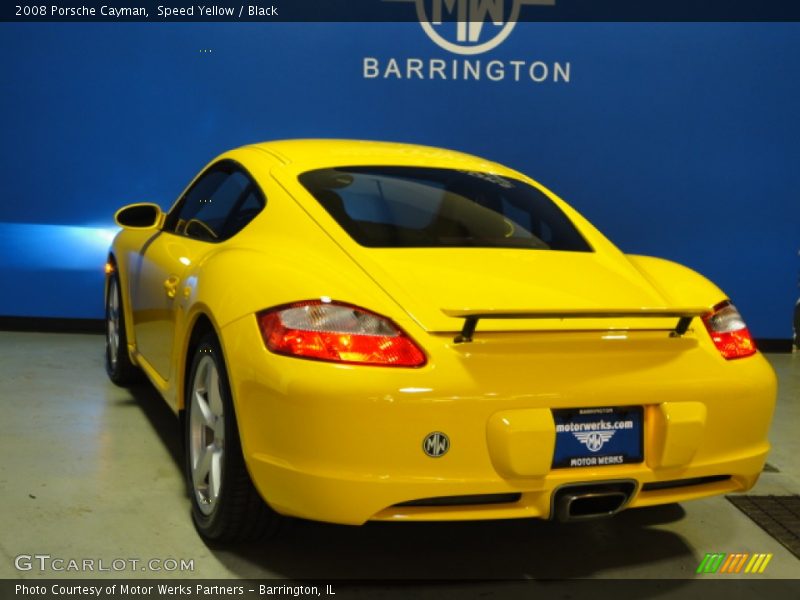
(417,207)
(219,204)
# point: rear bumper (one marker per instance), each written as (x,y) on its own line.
(340,498)
(343,444)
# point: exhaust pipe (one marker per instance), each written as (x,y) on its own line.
(577,502)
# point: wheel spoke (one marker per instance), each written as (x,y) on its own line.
(202,468)
(214,395)
(198,423)
(205,411)
(215,474)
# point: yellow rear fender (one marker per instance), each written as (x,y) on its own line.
(681,285)
(238,283)
(188,331)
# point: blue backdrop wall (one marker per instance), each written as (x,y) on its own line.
(676,140)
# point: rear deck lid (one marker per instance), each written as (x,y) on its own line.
(519,290)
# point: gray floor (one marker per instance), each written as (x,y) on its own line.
(92,471)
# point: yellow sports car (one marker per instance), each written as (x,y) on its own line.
(355,331)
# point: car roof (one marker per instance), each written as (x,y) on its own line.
(310,153)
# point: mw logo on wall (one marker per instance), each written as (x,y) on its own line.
(468,28)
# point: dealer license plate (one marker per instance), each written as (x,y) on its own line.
(593,437)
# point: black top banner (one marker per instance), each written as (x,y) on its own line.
(401,10)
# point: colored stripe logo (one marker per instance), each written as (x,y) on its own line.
(738,562)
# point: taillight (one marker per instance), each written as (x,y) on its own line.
(729,332)
(337,332)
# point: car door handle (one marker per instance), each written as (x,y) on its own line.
(171,285)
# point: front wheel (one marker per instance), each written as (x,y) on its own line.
(119,367)
(225,504)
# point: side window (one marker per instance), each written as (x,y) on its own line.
(217,206)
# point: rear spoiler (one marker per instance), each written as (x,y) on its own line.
(471,317)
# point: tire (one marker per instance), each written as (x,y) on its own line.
(225,505)
(119,367)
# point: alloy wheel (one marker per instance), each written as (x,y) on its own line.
(112,323)
(207,435)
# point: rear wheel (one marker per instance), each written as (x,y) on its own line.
(119,367)
(225,504)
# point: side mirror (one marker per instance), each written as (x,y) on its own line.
(144,215)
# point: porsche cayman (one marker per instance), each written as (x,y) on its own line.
(354,331)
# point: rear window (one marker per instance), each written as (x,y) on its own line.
(414,207)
